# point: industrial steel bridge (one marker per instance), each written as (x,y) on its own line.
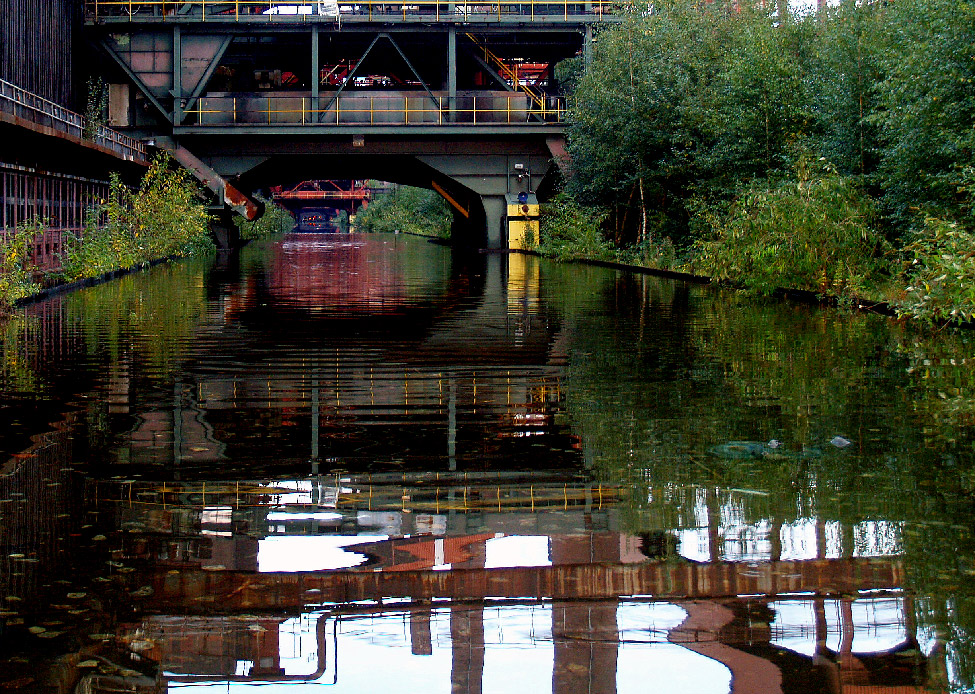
(459,97)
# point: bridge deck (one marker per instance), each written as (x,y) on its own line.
(298,12)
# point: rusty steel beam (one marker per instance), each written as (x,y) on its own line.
(192,591)
(228,194)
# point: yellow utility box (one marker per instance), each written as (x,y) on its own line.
(522,220)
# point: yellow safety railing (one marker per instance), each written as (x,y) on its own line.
(366,110)
(506,71)
(322,10)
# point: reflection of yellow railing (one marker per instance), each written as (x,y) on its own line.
(317,10)
(377,110)
(347,496)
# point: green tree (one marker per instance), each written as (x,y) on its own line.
(926,107)
(407,209)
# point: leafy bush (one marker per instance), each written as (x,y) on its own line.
(815,233)
(407,209)
(16,269)
(941,273)
(165,217)
(570,231)
(661,254)
(926,107)
(275,220)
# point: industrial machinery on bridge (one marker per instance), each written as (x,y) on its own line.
(323,206)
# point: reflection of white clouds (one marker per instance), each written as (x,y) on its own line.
(795,626)
(285,516)
(670,668)
(878,625)
(311,553)
(745,542)
(694,544)
(517,550)
(217,515)
(648,622)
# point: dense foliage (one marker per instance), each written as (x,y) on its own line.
(275,220)
(16,269)
(164,217)
(813,234)
(695,124)
(571,231)
(407,209)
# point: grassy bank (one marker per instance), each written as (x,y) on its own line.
(165,217)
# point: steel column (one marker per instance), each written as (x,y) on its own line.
(315,78)
(177,75)
(452,74)
(587,47)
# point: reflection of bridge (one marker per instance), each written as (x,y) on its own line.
(191,591)
(595,639)
(456,97)
(868,644)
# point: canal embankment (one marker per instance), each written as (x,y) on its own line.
(129,230)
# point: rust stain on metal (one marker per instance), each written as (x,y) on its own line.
(240,202)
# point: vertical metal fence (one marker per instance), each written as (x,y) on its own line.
(59,204)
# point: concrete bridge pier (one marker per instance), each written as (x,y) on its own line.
(490,181)
(223,229)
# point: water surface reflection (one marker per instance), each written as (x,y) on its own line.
(367,464)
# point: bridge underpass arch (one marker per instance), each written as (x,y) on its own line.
(473,175)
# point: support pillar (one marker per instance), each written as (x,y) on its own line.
(467,648)
(421,638)
(225,233)
(452,74)
(315,80)
(587,48)
(177,75)
(586,647)
(494,217)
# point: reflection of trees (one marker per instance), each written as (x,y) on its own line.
(654,399)
(18,355)
(148,319)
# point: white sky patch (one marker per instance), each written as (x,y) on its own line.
(285,516)
(311,553)
(517,550)
(665,667)
(878,625)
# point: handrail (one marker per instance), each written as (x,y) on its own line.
(24,104)
(505,70)
(321,195)
(320,10)
(417,110)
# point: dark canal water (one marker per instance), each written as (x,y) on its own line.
(361,464)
